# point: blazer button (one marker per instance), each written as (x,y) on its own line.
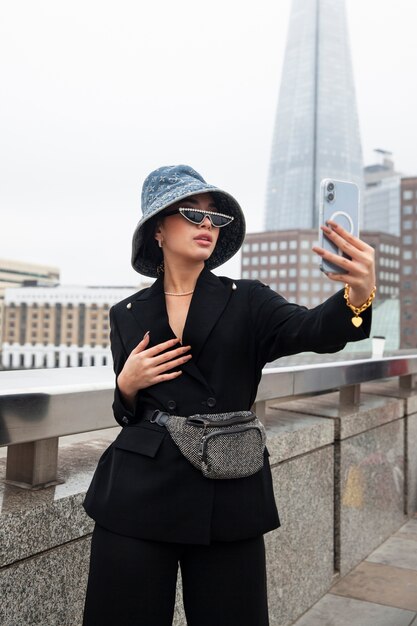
(125,419)
(171,404)
(211,402)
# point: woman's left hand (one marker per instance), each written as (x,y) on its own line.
(360,269)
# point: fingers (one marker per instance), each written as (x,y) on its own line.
(169,365)
(142,344)
(161,347)
(170,355)
(338,234)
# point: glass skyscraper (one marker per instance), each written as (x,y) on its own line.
(316,131)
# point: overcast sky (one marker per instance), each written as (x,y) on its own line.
(96,94)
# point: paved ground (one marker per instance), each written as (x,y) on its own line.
(380,591)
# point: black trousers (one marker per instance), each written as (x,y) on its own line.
(132,582)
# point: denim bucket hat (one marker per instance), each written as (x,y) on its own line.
(167,185)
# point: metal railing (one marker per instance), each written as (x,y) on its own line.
(39,406)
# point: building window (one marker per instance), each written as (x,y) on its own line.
(283,273)
(283,286)
(293,258)
(273,259)
(283,245)
(304,258)
(292,286)
(316,287)
(304,286)
(407,224)
(264,273)
(255,247)
(292,272)
(283,258)
(255,260)
(246,247)
(407,209)
(407,270)
(305,244)
(274,245)
(264,246)
(245,260)
(407,240)
(254,274)
(303,272)
(245,274)
(407,194)
(293,245)
(264,260)
(407,254)
(273,273)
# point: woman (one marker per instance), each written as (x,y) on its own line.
(203,341)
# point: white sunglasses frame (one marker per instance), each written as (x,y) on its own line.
(205,214)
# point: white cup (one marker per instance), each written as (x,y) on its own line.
(378,345)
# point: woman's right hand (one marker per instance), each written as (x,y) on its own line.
(145,367)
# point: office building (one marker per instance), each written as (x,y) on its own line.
(408,285)
(15,273)
(59,326)
(381,205)
(316,131)
(284,260)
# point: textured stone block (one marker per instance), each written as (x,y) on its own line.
(391,388)
(291,434)
(47,590)
(349,420)
(370,497)
(300,553)
(411,464)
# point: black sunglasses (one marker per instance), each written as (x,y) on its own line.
(197,216)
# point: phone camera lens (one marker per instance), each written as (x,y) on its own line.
(330,187)
(330,197)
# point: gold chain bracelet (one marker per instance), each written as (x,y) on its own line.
(357,310)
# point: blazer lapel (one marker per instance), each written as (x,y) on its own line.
(209,300)
(149,311)
(207,304)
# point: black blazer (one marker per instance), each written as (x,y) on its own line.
(143,486)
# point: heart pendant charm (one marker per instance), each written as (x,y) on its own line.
(357,321)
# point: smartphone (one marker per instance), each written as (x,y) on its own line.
(339,201)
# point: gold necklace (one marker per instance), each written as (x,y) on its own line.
(184,293)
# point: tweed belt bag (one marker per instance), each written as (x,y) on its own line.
(221,445)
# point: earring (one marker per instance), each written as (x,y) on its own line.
(160,268)
(159,243)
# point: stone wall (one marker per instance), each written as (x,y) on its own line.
(344,479)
